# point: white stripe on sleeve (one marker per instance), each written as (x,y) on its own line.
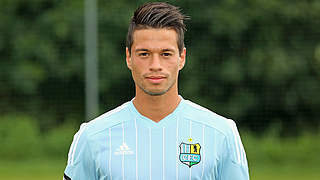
(122,164)
(135,126)
(237,141)
(150,165)
(82,128)
(190,132)
(110,153)
(203,152)
(177,145)
(163,149)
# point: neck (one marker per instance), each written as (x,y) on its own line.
(156,107)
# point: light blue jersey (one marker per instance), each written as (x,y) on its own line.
(190,143)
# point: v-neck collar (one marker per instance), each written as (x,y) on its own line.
(163,122)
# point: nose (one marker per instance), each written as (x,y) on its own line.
(155,63)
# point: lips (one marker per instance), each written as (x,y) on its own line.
(155,79)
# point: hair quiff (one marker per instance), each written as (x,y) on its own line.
(158,15)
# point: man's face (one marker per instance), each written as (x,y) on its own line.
(155,61)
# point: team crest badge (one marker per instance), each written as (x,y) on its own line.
(190,154)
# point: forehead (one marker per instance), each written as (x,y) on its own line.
(154,39)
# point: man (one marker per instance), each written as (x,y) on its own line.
(157,135)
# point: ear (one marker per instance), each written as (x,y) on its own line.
(128,58)
(182,58)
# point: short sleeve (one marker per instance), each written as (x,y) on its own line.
(80,165)
(234,165)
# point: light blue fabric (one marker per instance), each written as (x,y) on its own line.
(190,143)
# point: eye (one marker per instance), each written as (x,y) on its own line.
(143,54)
(166,54)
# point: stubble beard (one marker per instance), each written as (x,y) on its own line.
(151,93)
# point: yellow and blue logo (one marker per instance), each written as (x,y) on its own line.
(190,154)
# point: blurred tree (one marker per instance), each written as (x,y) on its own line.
(42,59)
(256,61)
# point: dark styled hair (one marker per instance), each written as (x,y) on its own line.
(158,15)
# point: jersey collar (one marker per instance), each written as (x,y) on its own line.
(164,122)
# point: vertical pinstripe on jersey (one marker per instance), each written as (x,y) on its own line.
(135,126)
(122,164)
(234,142)
(77,136)
(163,167)
(203,152)
(110,149)
(150,165)
(177,145)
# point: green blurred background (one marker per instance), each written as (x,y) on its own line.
(255,61)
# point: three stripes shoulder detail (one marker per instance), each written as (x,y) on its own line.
(239,152)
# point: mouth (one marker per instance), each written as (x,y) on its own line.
(155,79)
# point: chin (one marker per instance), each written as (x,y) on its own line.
(155,92)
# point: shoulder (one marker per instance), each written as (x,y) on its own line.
(107,120)
(202,115)
(84,141)
(225,126)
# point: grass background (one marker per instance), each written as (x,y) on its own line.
(52,169)
(270,156)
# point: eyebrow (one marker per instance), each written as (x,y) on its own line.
(142,49)
(169,49)
(162,50)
